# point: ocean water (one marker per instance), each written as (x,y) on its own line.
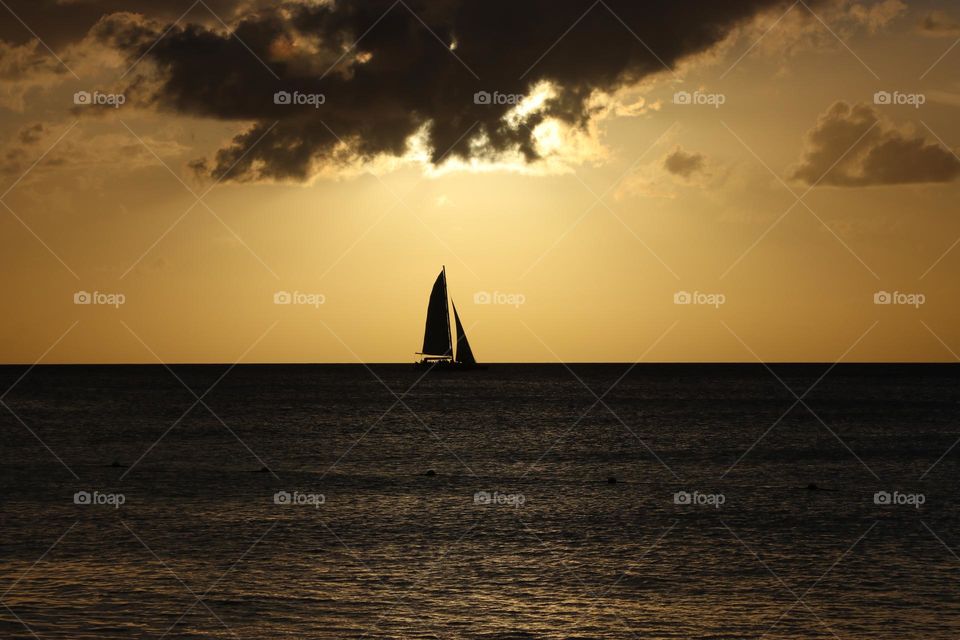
(709,531)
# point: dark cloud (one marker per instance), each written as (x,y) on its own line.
(683,164)
(61,22)
(938,24)
(416,68)
(884,155)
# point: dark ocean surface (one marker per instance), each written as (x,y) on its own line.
(369,545)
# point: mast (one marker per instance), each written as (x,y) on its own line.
(443,270)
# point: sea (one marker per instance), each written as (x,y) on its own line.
(648,501)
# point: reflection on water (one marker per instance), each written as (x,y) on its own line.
(522,531)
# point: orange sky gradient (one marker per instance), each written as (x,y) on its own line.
(759,202)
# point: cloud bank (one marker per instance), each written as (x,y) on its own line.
(391,71)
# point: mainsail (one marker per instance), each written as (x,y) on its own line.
(436,335)
(464,354)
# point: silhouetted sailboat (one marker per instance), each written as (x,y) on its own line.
(437,340)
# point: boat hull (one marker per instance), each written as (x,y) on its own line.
(448,366)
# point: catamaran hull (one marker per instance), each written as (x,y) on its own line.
(449,367)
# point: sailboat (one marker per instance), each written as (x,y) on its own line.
(437,351)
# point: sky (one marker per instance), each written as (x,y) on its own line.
(245,181)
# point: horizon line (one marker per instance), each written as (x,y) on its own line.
(505,363)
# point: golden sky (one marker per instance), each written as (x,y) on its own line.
(793,171)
